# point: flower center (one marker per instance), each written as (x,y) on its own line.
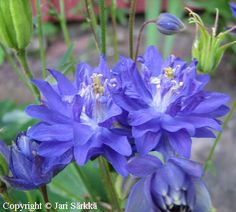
(169,72)
(98,88)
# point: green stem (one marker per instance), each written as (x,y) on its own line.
(21,55)
(14,66)
(92,21)
(86,183)
(140,36)
(114,28)
(63,24)
(131,27)
(41,38)
(218,138)
(109,185)
(43,190)
(102,11)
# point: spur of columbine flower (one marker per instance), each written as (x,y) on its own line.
(80,116)
(174,185)
(27,169)
(166,102)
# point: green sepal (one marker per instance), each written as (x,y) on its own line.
(16,23)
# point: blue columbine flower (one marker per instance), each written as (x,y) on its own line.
(233,8)
(80,116)
(175,185)
(169,24)
(28,170)
(166,102)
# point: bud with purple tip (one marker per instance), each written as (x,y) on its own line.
(169,24)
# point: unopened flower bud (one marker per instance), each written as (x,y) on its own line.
(169,24)
(15,23)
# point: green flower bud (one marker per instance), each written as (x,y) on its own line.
(208,48)
(15,23)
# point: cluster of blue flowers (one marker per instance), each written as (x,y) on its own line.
(124,114)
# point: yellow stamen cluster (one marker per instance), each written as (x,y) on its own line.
(98,88)
(169,72)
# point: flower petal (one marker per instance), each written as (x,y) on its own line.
(181,143)
(203,199)
(64,85)
(41,112)
(137,200)
(44,132)
(142,166)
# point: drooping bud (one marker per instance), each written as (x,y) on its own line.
(16,23)
(208,48)
(169,24)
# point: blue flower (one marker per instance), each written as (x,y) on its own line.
(80,116)
(169,24)
(28,170)
(166,102)
(175,185)
(233,8)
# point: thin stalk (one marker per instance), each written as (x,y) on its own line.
(140,36)
(109,185)
(114,28)
(86,183)
(21,55)
(102,11)
(214,31)
(217,140)
(14,66)
(92,21)
(63,25)
(41,38)
(43,190)
(131,27)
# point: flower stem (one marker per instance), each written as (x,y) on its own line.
(217,140)
(63,23)
(14,66)
(109,185)
(140,36)
(92,21)
(21,55)
(41,38)
(131,27)
(86,183)
(102,11)
(114,28)
(43,190)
